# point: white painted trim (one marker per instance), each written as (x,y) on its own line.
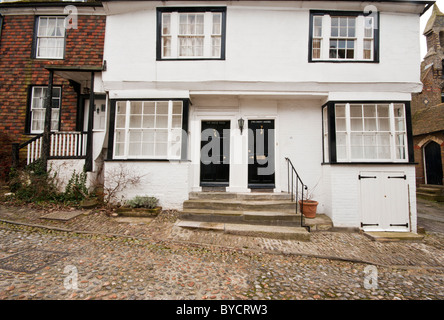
(149,94)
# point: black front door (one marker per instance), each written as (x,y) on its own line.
(433,163)
(215,154)
(261,154)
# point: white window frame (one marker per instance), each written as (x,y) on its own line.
(40,38)
(211,37)
(38,104)
(396,132)
(173,130)
(361,24)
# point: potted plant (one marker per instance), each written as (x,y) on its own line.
(140,206)
(308,206)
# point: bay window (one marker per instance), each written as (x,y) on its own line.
(366,132)
(191,33)
(148,129)
(343,37)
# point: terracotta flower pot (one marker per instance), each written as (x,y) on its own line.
(309,208)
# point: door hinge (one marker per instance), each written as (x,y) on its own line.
(399,225)
(369,224)
(366,177)
(398,177)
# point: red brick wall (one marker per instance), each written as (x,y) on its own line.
(18,70)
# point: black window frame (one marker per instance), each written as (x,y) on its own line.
(331,123)
(34,37)
(112,122)
(29,104)
(1,25)
(334,13)
(161,10)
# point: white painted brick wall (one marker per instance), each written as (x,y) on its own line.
(65,170)
(167,181)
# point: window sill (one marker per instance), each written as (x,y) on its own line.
(147,160)
(343,61)
(369,163)
(190,59)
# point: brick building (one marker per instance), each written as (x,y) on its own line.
(428,107)
(34,43)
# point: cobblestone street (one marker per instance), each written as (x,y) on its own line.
(116,260)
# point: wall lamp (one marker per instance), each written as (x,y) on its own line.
(241,123)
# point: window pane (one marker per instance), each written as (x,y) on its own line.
(356,125)
(383,110)
(162,107)
(166,23)
(177,122)
(340,125)
(148,121)
(161,150)
(161,121)
(317,27)
(149,136)
(121,107)
(135,136)
(217,19)
(341,153)
(149,107)
(177,107)
(356,110)
(148,149)
(136,107)
(340,110)
(384,124)
(316,49)
(216,46)
(43,27)
(135,121)
(341,139)
(370,124)
(369,111)
(166,46)
(120,121)
(60,31)
(135,149)
(399,124)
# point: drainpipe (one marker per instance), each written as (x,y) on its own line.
(46,139)
(89,139)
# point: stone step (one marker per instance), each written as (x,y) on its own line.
(252,196)
(273,232)
(394,236)
(434,186)
(430,197)
(232,205)
(280,218)
(433,191)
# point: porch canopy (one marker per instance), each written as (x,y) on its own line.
(80,75)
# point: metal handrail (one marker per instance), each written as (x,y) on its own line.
(291,175)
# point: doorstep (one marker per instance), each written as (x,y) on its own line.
(385,236)
(272,232)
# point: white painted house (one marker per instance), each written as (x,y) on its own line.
(327,84)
